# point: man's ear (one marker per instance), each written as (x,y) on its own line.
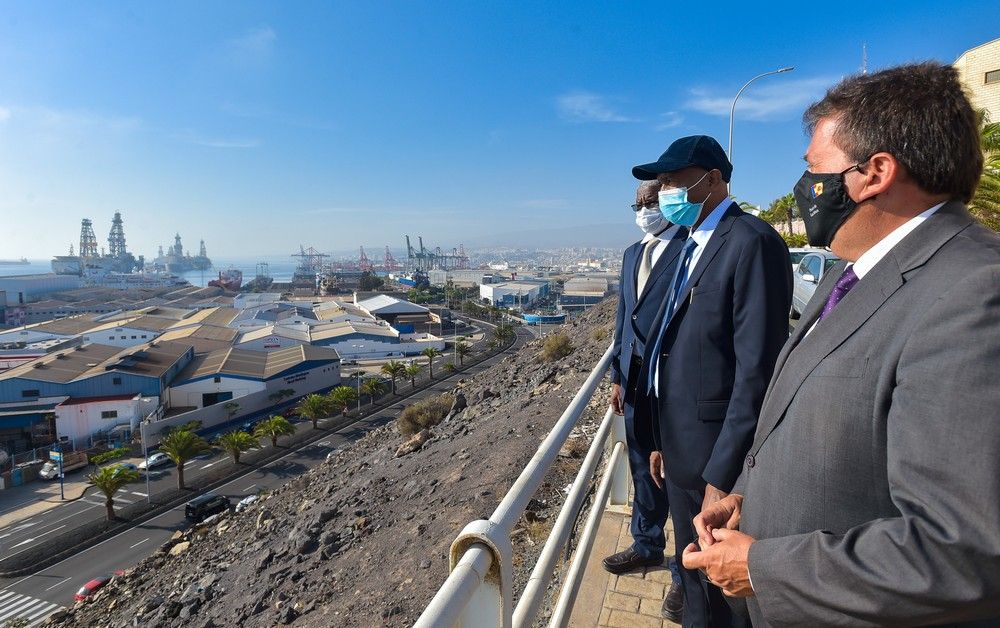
(881,171)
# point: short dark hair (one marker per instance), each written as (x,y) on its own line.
(919,113)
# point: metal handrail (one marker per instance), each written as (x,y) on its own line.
(478,589)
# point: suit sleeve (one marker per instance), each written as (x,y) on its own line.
(616,365)
(762,292)
(939,560)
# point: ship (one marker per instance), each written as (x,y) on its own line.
(176,261)
(89,263)
(230,280)
(14,262)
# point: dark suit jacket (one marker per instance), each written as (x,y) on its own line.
(719,349)
(873,482)
(637,312)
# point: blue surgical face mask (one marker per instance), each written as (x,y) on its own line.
(676,208)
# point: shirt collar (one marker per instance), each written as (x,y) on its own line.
(875,254)
(667,234)
(704,231)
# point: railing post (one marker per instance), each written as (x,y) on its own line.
(620,473)
(492,604)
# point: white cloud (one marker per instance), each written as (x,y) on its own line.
(668,120)
(4,114)
(254,47)
(581,106)
(774,99)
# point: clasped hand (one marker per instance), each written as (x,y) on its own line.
(723,550)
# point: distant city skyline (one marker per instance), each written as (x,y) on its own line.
(261,126)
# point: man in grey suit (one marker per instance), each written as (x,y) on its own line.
(871,493)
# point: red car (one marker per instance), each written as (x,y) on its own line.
(94,585)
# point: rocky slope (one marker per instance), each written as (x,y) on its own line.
(363,539)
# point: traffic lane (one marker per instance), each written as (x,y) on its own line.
(58,583)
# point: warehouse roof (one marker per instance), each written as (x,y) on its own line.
(254,364)
(384,304)
(148,360)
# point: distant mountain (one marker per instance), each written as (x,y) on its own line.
(610,235)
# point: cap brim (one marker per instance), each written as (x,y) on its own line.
(648,172)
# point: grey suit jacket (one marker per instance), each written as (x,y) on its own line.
(873,482)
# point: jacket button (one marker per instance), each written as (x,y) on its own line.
(751,461)
(635,317)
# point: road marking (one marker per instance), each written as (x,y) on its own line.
(59,584)
(119,498)
(14,605)
(249,487)
(210,464)
(323,443)
(37,537)
(140,494)
(139,543)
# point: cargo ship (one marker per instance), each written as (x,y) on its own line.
(14,262)
(230,280)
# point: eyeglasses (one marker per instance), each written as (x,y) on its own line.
(636,207)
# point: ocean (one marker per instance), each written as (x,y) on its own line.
(280,269)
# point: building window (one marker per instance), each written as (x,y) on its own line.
(133,337)
(111,337)
(117,381)
(29,393)
(109,414)
(993,76)
(217,379)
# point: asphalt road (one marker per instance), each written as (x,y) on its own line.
(37,596)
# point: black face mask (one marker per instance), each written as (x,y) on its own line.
(823,204)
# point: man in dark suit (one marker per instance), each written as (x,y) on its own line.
(871,493)
(646,269)
(716,338)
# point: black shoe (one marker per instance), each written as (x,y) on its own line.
(629,560)
(673,604)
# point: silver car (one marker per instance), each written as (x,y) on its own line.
(807,276)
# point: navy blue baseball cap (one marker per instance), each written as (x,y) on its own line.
(695,150)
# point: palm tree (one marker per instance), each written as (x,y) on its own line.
(985,204)
(502,334)
(274,428)
(314,407)
(342,397)
(393,369)
(463,349)
(181,446)
(236,442)
(412,371)
(373,388)
(109,481)
(430,353)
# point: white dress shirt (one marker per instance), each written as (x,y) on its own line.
(664,236)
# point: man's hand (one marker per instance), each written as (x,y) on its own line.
(725,562)
(724,513)
(712,495)
(616,400)
(656,467)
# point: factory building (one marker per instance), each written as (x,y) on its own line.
(462,278)
(21,289)
(581,292)
(351,339)
(402,315)
(514,294)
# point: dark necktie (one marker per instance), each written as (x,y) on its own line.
(847,281)
(676,288)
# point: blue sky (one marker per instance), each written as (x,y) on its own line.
(260,126)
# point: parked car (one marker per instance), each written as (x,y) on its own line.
(121,467)
(807,276)
(246,502)
(203,507)
(94,585)
(159,459)
(797,254)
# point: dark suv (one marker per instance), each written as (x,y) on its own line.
(201,508)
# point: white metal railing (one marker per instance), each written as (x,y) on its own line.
(478,592)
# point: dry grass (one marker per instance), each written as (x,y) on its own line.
(424,414)
(556,347)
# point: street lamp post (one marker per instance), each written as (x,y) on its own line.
(145,454)
(732,110)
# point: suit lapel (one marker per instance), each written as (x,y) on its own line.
(803,354)
(674,246)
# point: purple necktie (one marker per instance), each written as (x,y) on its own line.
(847,281)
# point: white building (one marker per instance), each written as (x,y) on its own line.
(82,418)
(511,293)
(351,339)
(229,374)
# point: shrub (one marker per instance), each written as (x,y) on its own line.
(556,347)
(600,334)
(795,240)
(109,455)
(425,413)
